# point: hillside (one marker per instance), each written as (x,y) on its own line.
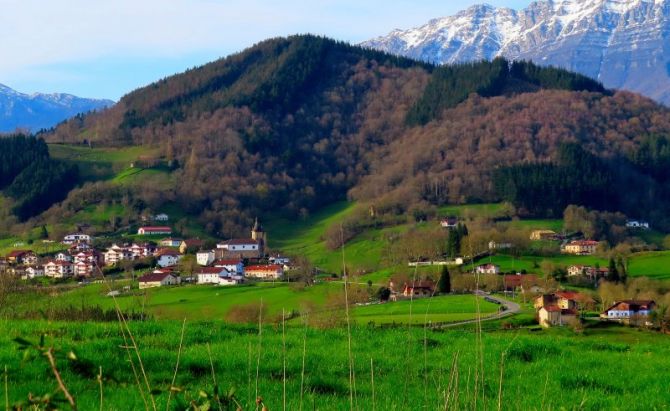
(293,124)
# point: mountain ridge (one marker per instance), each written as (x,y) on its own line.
(41,110)
(623,44)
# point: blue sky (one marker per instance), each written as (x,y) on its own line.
(106,48)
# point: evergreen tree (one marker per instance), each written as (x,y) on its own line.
(621,266)
(613,273)
(44,234)
(444,284)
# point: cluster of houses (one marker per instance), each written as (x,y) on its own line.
(564,307)
(224,265)
(231,262)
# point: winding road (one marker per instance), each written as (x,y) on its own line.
(511,308)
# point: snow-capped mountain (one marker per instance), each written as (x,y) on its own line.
(37,111)
(623,43)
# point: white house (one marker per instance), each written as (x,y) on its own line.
(205,258)
(161,217)
(167,258)
(58,269)
(63,257)
(154,230)
(449,222)
(33,271)
(158,280)
(142,250)
(234,266)
(279,260)
(488,269)
(231,280)
(624,310)
(170,242)
(211,275)
(76,238)
(499,246)
(84,268)
(240,245)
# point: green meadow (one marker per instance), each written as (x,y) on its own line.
(307,368)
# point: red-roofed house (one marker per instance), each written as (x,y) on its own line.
(25,257)
(628,310)
(239,248)
(154,230)
(272,271)
(210,275)
(418,289)
(560,308)
(158,280)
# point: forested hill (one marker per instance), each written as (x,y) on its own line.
(294,123)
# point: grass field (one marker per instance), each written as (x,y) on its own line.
(215,303)
(99,163)
(395,368)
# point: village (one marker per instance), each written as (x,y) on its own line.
(236,261)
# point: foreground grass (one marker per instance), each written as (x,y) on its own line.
(413,367)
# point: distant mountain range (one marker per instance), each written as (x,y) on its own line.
(625,44)
(38,111)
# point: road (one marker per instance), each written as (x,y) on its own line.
(511,309)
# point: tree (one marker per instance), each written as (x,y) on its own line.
(44,234)
(621,266)
(444,284)
(613,273)
(383,294)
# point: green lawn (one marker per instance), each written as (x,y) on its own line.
(451,308)
(487,210)
(652,264)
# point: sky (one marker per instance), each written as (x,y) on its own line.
(106,48)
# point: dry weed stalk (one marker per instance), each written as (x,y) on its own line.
(352,376)
(176,367)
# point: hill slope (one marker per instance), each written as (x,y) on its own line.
(296,123)
(624,44)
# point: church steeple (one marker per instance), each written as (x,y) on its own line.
(257,232)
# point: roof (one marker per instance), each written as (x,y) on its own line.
(420,284)
(166,251)
(513,280)
(18,253)
(270,267)
(584,243)
(633,305)
(156,228)
(153,277)
(240,241)
(172,239)
(211,270)
(227,262)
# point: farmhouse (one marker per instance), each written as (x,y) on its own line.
(76,238)
(167,257)
(629,310)
(58,269)
(142,250)
(488,269)
(154,230)
(523,283)
(158,280)
(418,289)
(588,271)
(273,271)
(560,308)
(499,246)
(580,247)
(205,257)
(239,248)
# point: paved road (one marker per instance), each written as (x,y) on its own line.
(511,309)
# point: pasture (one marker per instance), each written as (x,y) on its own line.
(306,368)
